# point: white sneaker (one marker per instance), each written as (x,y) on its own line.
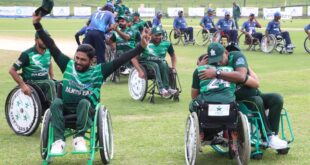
(164,93)
(172,91)
(126,71)
(290,46)
(58,147)
(79,144)
(276,143)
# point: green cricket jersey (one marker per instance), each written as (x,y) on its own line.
(138,26)
(124,45)
(157,51)
(34,66)
(119,9)
(215,90)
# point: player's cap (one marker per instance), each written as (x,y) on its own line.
(118,1)
(210,10)
(37,34)
(122,17)
(277,14)
(46,8)
(180,11)
(227,13)
(157,30)
(136,14)
(109,4)
(252,14)
(159,13)
(215,52)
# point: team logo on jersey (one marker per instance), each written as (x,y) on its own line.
(212,52)
(240,61)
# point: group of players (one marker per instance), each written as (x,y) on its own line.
(223,74)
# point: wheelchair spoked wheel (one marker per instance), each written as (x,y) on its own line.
(280,45)
(268,43)
(202,38)
(244,145)
(23,113)
(44,134)
(137,86)
(105,135)
(191,139)
(256,45)
(174,37)
(245,41)
(307,44)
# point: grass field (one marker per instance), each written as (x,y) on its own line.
(147,133)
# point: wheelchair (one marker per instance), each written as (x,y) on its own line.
(139,87)
(176,37)
(223,127)
(100,136)
(203,37)
(247,42)
(23,113)
(220,37)
(307,44)
(255,120)
(273,42)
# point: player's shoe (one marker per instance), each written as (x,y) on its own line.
(58,147)
(79,144)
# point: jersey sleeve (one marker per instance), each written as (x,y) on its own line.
(239,60)
(195,82)
(22,61)
(268,28)
(175,23)
(243,26)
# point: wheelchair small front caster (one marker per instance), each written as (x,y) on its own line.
(283,151)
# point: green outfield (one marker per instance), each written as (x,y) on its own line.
(147,133)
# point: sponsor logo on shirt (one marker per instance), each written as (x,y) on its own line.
(240,61)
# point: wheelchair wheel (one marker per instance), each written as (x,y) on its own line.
(165,35)
(137,86)
(23,113)
(105,135)
(256,45)
(244,145)
(191,139)
(280,45)
(202,38)
(268,44)
(307,44)
(245,41)
(217,36)
(174,37)
(44,134)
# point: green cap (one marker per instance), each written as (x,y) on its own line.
(122,17)
(215,52)
(45,8)
(136,14)
(37,35)
(157,30)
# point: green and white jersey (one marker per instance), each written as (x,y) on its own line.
(34,66)
(138,26)
(119,9)
(158,51)
(82,85)
(124,45)
(215,90)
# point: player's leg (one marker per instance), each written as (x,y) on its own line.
(287,38)
(154,66)
(273,102)
(190,31)
(258,35)
(164,72)
(57,119)
(84,112)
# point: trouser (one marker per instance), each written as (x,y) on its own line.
(233,35)
(236,22)
(119,53)
(48,87)
(83,110)
(96,39)
(258,35)
(161,69)
(211,30)
(189,31)
(286,37)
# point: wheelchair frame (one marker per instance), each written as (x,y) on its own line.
(206,37)
(192,134)
(249,43)
(179,37)
(278,44)
(98,139)
(152,87)
(307,42)
(255,120)
(40,103)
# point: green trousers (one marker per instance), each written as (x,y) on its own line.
(83,110)
(161,69)
(48,87)
(271,101)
